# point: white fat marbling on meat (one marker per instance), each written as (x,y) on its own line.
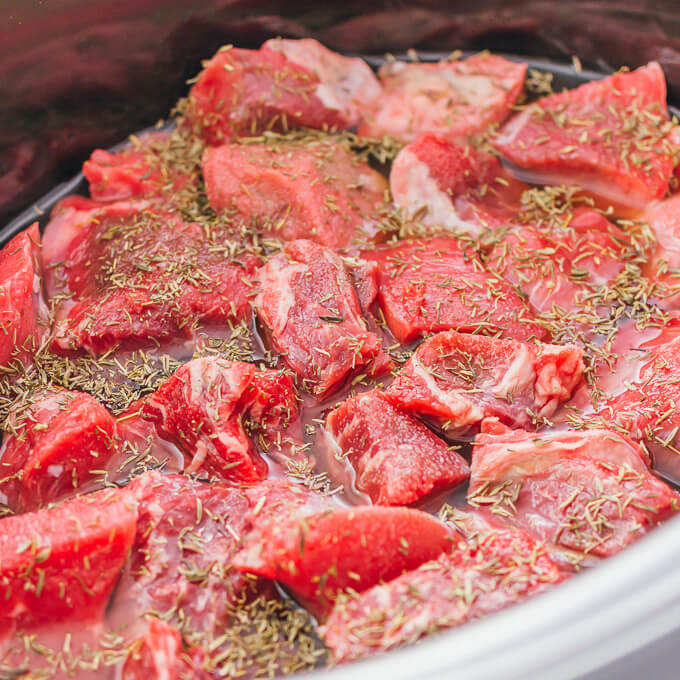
(413,188)
(518,376)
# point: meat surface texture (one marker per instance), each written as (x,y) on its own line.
(454,98)
(320,555)
(129,273)
(136,171)
(460,379)
(590,491)
(563,270)
(313,189)
(62,564)
(309,306)
(199,409)
(611,137)
(187,535)
(453,187)
(491,572)
(396,459)
(437,284)
(55,448)
(22,307)
(245,92)
(160,655)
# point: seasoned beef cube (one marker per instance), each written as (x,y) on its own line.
(494,571)
(453,98)
(313,189)
(460,379)
(54,448)
(449,186)
(563,268)
(590,491)
(663,264)
(22,309)
(397,460)
(273,414)
(346,84)
(642,397)
(130,274)
(187,535)
(136,171)
(309,305)
(245,92)
(199,409)
(160,655)
(320,555)
(610,137)
(62,563)
(430,285)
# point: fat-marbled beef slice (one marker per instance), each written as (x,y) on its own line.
(309,305)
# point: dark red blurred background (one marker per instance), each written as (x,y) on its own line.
(76,74)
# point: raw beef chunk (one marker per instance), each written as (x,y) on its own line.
(310,307)
(497,569)
(347,84)
(430,285)
(461,379)
(130,274)
(63,563)
(312,189)
(273,414)
(245,92)
(643,399)
(199,409)
(610,137)
(663,265)
(590,491)
(160,655)
(22,309)
(561,269)
(454,98)
(54,448)
(397,460)
(137,171)
(450,186)
(187,534)
(320,555)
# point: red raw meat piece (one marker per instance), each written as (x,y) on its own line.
(62,563)
(199,409)
(52,449)
(643,399)
(245,92)
(160,655)
(321,555)
(365,277)
(187,535)
(274,499)
(454,98)
(496,570)
(461,379)
(430,285)
(610,137)
(22,309)
(312,188)
(455,187)
(273,413)
(559,268)
(347,84)
(396,458)
(309,305)
(137,171)
(131,273)
(590,491)
(663,265)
